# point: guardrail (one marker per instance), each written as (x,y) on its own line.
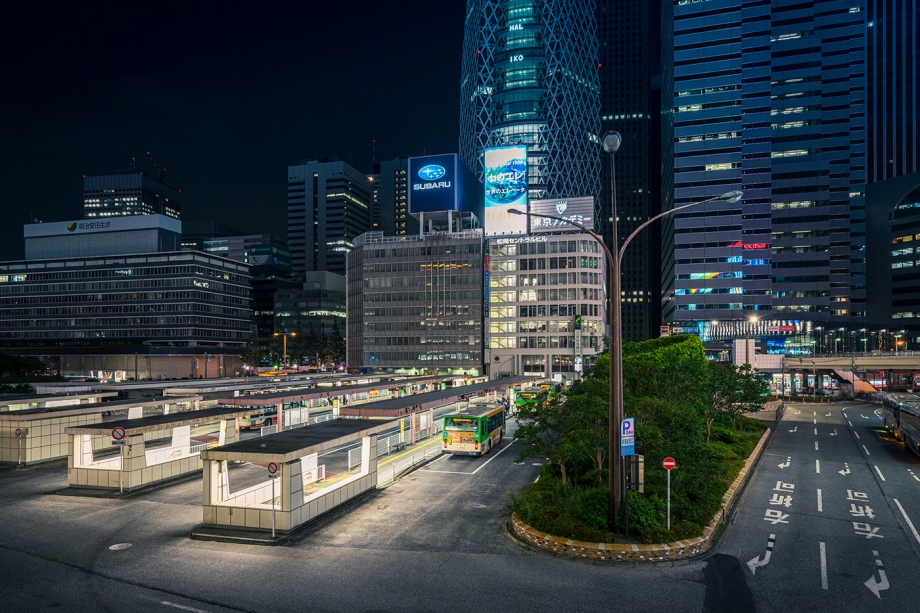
(390,472)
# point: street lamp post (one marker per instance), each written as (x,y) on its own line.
(747,338)
(284,336)
(616,479)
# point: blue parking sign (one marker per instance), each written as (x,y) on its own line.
(628,437)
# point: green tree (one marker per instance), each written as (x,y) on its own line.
(732,391)
(542,431)
(588,419)
(252,355)
(337,347)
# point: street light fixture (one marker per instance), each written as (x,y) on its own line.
(616,481)
(747,338)
(284,342)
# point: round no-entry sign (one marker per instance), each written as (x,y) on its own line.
(668,463)
(18,431)
(272,468)
(118,433)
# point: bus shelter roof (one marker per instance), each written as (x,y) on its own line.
(293,444)
(276,398)
(161,422)
(397,407)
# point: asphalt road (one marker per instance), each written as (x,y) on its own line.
(435,540)
(827,522)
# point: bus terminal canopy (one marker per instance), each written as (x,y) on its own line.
(398,407)
(274,399)
(154,423)
(293,444)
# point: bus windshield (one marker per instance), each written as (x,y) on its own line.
(460,423)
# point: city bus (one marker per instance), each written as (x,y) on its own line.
(259,419)
(531,397)
(474,431)
(901,414)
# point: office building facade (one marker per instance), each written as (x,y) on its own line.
(893,88)
(545,304)
(129,193)
(529,77)
(329,205)
(390,211)
(768,98)
(101,237)
(629,40)
(415,302)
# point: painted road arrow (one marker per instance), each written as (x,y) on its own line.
(756,562)
(846,470)
(786,464)
(876,587)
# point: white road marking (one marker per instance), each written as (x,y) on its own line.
(834,433)
(882,584)
(823,564)
(820,503)
(817,466)
(182,606)
(846,469)
(814,412)
(916,478)
(816,445)
(755,562)
(907,519)
(849,422)
(856,434)
(866,450)
(879,473)
(786,463)
(794,429)
(816,421)
(816,431)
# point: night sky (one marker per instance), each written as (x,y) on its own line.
(224,98)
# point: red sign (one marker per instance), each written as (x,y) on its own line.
(669,463)
(787,328)
(736,244)
(272,468)
(756,246)
(118,433)
(18,431)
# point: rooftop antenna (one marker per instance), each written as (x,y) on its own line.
(161,172)
(373,152)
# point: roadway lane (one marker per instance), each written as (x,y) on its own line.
(434,540)
(823,524)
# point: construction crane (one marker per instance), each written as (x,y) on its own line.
(161,172)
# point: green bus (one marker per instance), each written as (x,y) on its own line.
(531,397)
(474,431)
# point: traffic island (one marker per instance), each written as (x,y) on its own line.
(617,552)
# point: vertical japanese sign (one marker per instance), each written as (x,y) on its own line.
(505,183)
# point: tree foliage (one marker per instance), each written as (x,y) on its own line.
(684,407)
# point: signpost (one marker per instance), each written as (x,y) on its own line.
(19,442)
(669,464)
(272,473)
(118,434)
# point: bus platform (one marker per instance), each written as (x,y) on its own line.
(127,455)
(274,509)
(36,435)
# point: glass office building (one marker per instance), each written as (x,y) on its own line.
(414,303)
(768,98)
(529,77)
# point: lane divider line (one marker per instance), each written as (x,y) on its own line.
(907,519)
(866,450)
(880,473)
(823,553)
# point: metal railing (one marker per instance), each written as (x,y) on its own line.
(391,471)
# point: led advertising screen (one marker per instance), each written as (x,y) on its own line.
(433,183)
(579,210)
(505,183)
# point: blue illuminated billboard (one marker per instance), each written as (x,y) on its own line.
(505,183)
(433,183)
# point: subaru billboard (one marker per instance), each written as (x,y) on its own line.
(433,183)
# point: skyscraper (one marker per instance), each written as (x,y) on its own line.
(629,55)
(329,205)
(768,98)
(390,213)
(894,79)
(529,76)
(129,192)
